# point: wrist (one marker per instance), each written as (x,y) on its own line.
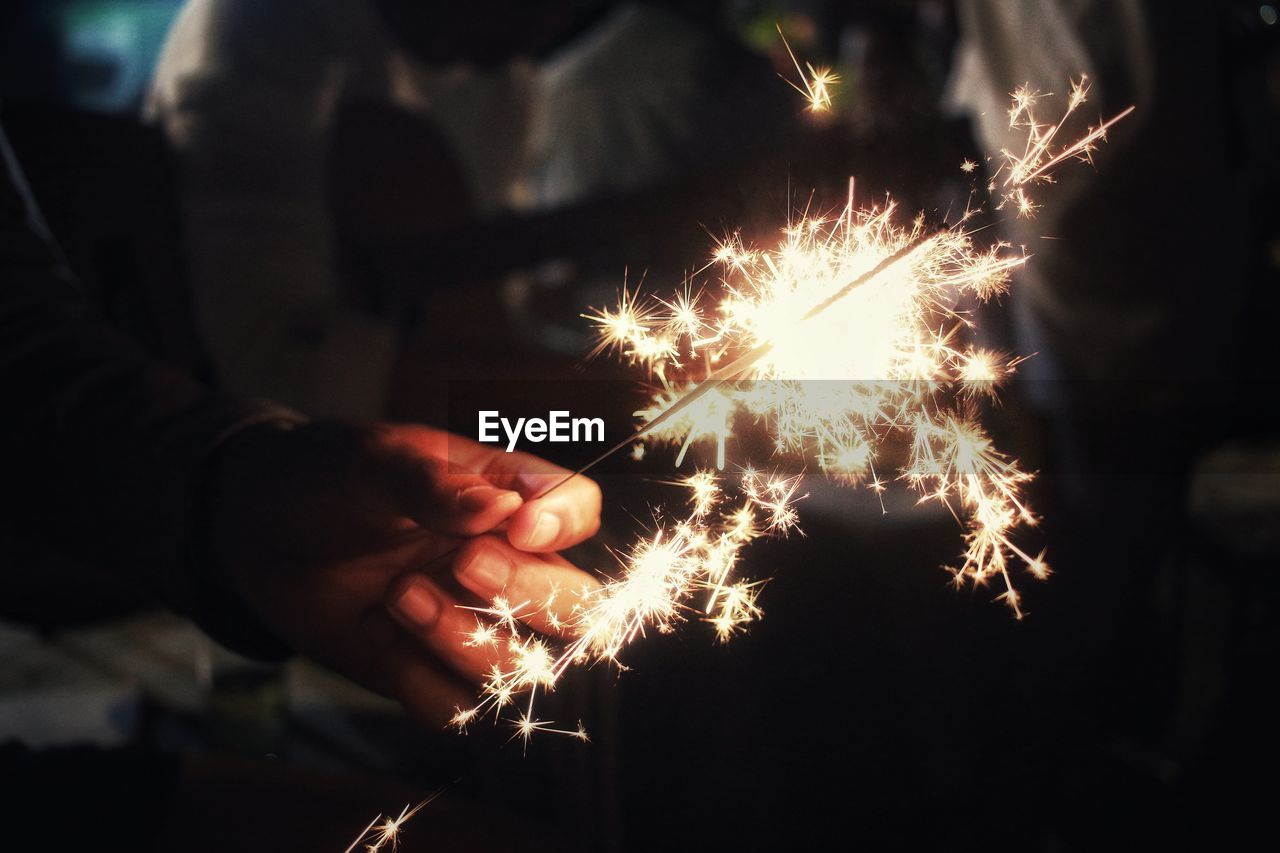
(215,534)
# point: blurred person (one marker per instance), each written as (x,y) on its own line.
(1147,302)
(249,94)
(350,543)
(651,92)
(501,105)
(1131,310)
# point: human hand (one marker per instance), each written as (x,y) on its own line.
(356,544)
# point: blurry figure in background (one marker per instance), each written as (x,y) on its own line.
(250,94)
(647,94)
(1130,311)
(381,120)
(1149,302)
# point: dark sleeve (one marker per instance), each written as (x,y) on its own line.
(102,445)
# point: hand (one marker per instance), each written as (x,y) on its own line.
(356,544)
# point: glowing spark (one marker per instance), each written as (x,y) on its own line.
(485,634)
(816,86)
(526,726)
(377,835)
(1039,157)
(503,611)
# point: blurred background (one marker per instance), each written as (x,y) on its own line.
(352,207)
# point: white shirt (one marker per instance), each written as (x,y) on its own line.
(247,91)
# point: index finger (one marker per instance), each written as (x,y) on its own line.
(560,510)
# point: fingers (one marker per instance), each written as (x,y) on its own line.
(568,514)
(453,485)
(540,590)
(548,586)
(557,512)
(401,669)
(397,476)
(444,628)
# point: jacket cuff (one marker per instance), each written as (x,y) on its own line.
(191,587)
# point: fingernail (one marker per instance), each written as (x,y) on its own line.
(479,498)
(487,573)
(545,530)
(417,607)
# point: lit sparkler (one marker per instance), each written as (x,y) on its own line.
(845,335)
(840,369)
(842,337)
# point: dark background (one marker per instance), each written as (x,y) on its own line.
(874,706)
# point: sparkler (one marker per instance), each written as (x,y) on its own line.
(844,336)
(850,338)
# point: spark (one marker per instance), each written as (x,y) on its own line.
(1038,156)
(377,836)
(506,614)
(485,634)
(816,85)
(526,727)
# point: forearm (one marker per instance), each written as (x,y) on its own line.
(104,444)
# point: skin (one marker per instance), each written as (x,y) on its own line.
(356,545)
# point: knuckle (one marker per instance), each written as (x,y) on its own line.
(470,551)
(398,587)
